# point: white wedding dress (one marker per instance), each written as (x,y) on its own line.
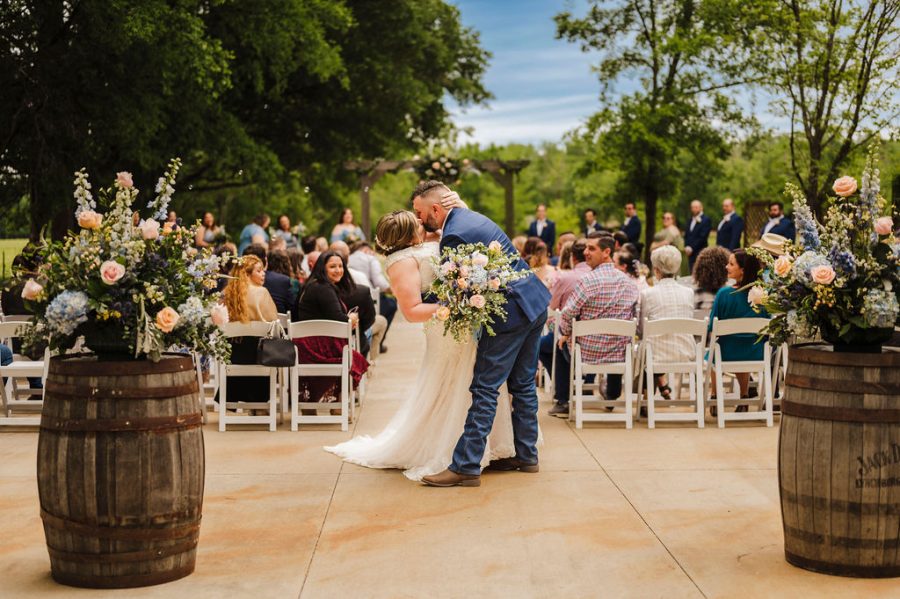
(421,436)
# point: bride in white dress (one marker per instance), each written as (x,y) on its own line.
(421,436)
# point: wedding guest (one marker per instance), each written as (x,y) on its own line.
(778,223)
(710,274)
(248,301)
(311,259)
(359,277)
(696,237)
(667,299)
(254,233)
(172,220)
(284,232)
(345,230)
(540,265)
(298,264)
(321,244)
(669,234)
(519,243)
(278,285)
(363,259)
(632,224)
(308,245)
(278,262)
(227,253)
(277,244)
(621,239)
(207,231)
(603,293)
(731,227)
(732,302)
(564,238)
(564,259)
(542,227)
(628,263)
(321,300)
(590,222)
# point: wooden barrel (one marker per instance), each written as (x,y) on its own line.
(120,470)
(839,461)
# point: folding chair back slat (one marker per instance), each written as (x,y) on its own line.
(324,328)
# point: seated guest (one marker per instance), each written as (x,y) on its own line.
(321,244)
(667,299)
(363,259)
(629,264)
(277,284)
(710,275)
(311,259)
(539,261)
(298,270)
(277,244)
(321,300)
(621,239)
(279,262)
(359,277)
(731,302)
(519,243)
(564,238)
(308,245)
(227,253)
(248,301)
(602,293)
(564,259)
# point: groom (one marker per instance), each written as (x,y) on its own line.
(509,357)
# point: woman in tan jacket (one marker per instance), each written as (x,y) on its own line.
(248,301)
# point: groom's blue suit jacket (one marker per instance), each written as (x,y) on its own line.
(527,298)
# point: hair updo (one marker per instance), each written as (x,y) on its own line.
(396,231)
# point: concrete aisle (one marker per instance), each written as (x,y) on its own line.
(673,512)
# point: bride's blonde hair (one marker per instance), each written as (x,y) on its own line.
(396,231)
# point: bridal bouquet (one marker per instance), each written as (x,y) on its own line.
(470,287)
(842,279)
(131,289)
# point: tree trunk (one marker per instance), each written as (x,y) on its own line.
(651,199)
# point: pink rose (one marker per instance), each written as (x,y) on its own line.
(884,225)
(477,301)
(757,296)
(166,319)
(111,272)
(436,166)
(124,180)
(845,186)
(464,271)
(443,313)
(32,290)
(462,283)
(149,229)
(783,266)
(479,259)
(495,246)
(823,275)
(219,315)
(447,268)
(88,219)
(494,284)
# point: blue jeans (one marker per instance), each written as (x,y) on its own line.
(510,357)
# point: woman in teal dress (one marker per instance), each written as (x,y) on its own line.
(731,303)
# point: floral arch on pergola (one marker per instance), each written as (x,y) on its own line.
(442,168)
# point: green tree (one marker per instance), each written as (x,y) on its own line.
(674,48)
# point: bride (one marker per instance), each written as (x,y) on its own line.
(422,434)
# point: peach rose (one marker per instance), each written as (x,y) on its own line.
(884,225)
(443,313)
(845,186)
(462,283)
(495,245)
(464,271)
(32,290)
(111,272)
(219,315)
(124,180)
(149,229)
(436,166)
(494,284)
(167,228)
(823,275)
(757,296)
(479,259)
(477,301)
(166,319)
(783,266)
(88,219)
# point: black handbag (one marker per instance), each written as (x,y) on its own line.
(275,351)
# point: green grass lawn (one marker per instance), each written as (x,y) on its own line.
(9,249)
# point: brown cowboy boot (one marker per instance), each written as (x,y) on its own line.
(449,478)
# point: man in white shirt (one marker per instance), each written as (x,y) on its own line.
(696,237)
(590,222)
(543,227)
(363,259)
(731,227)
(778,223)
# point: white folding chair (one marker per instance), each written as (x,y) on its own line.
(779,367)
(359,393)
(322,328)
(17,318)
(761,368)
(577,395)
(226,371)
(13,390)
(693,368)
(556,315)
(545,376)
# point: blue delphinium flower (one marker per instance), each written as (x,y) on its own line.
(844,262)
(67,311)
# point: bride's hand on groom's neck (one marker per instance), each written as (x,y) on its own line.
(450,199)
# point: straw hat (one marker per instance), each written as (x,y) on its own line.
(772,243)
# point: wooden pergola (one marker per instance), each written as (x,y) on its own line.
(502,171)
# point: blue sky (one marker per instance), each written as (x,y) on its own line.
(543,87)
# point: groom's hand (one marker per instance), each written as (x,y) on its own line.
(451,200)
(563,339)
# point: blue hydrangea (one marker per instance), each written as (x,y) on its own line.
(192,312)
(478,275)
(799,324)
(67,311)
(880,308)
(804,263)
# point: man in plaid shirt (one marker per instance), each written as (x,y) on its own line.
(603,293)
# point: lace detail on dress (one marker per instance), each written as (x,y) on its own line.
(423,255)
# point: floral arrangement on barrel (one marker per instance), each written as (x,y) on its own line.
(470,288)
(441,168)
(131,290)
(841,280)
